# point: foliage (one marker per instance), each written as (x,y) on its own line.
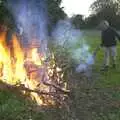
(78,21)
(99,5)
(55,12)
(106,10)
(5,15)
(101,10)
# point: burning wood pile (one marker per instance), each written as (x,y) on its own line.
(28,70)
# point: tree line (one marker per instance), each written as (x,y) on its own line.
(101,10)
(55,12)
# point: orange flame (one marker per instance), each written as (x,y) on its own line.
(15,67)
(19,72)
(5,61)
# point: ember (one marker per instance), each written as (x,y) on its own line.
(28,69)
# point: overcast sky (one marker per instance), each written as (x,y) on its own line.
(72,7)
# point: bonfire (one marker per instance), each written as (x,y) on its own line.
(30,71)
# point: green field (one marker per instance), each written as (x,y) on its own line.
(95,99)
(112,77)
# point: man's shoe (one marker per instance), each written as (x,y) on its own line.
(105,68)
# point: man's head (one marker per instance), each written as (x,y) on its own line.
(103,25)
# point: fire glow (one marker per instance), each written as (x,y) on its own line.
(27,67)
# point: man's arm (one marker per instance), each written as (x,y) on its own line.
(116,34)
(102,39)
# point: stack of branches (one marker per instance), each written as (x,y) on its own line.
(51,80)
(47,79)
(55,76)
(62,58)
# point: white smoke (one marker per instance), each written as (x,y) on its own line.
(66,35)
(33,18)
(31,15)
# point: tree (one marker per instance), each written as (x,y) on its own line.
(92,21)
(5,15)
(78,21)
(55,12)
(108,10)
(99,5)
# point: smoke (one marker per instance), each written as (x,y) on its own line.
(66,35)
(31,15)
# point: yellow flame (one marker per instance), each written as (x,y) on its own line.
(20,73)
(32,85)
(35,57)
(13,70)
(5,60)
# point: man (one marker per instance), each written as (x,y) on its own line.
(109,43)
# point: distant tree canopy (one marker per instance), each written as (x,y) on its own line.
(55,12)
(5,15)
(78,21)
(101,10)
(107,10)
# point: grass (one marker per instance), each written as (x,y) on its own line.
(96,99)
(112,77)
(16,107)
(13,107)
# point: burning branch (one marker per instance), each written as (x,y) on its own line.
(20,88)
(42,79)
(57,88)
